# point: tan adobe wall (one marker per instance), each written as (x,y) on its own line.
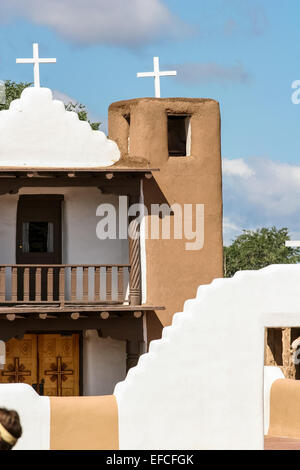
(173,273)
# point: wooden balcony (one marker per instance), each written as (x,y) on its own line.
(27,288)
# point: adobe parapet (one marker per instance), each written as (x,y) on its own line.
(144,128)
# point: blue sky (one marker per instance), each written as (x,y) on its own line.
(244,53)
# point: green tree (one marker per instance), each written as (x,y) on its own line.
(13,91)
(255,249)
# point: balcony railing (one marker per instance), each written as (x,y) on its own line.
(64,284)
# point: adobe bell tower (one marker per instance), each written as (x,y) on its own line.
(181,138)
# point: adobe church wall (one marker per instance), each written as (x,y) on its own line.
(173,273)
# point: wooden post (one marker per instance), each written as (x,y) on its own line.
(134,258)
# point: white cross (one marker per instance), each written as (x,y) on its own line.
(156,74)
(36,61)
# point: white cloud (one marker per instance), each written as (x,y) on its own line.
(116,22)
(261,193)
(237,167)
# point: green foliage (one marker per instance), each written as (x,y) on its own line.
(257,249)
(13,91)
(80,109)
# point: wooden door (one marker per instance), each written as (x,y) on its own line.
(50,360)
(21,361)
(39,229)
(39,240)
(59,364)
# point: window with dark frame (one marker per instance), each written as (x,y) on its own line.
(178,130)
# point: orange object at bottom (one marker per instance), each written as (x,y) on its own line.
(84,423)
(285,409)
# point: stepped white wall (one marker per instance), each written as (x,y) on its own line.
(201,385)
(37,131)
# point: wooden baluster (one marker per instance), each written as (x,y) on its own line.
(50,285)
(108,283)
(85,288)
(120,284)
(62,285)
(14,283)
(74,296)
(2,284)
(38,284)
(26,284)
(97,283)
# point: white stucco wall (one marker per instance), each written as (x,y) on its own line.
(104,363)
(38,132)
(201,385)
(34,412)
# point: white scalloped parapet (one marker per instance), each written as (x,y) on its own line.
(38,132)
(201,385)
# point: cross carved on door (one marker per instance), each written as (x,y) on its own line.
(16,372)
(59,373)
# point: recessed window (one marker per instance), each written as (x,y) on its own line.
(37,237)
(127,119)
(179,135)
